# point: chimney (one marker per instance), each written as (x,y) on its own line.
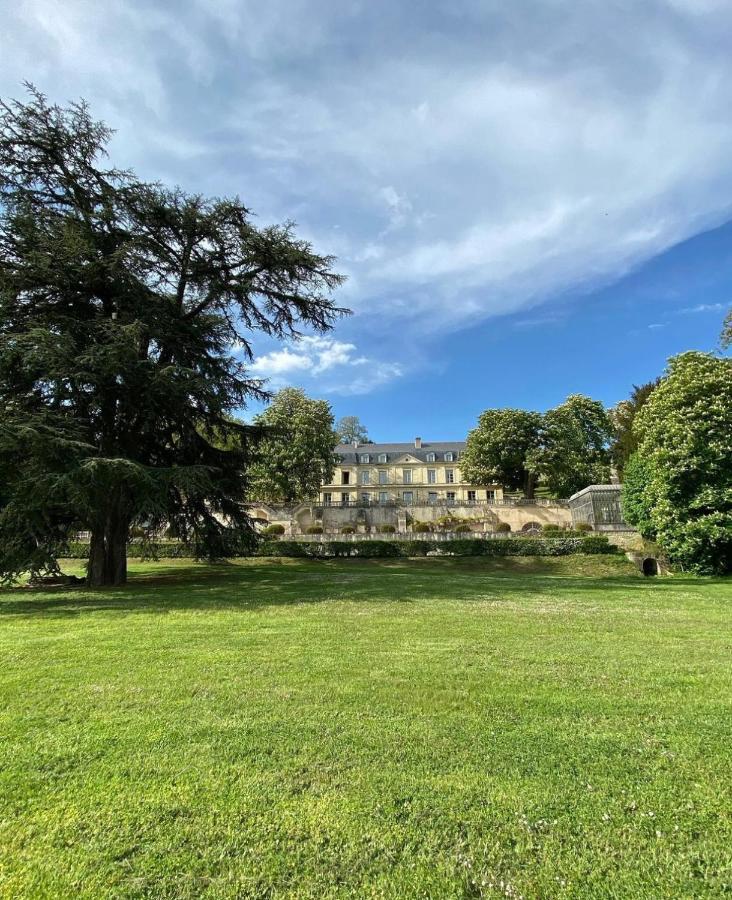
(418,443)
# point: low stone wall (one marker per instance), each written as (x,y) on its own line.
(483,518)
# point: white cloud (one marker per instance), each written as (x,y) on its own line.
(516,151)
(311,357)
(702,308)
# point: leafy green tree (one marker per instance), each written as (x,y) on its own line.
(296,453)
(497,449)
(573,447)
(120,303)
(683,492)
(625,442)
(350,429)
(635,497)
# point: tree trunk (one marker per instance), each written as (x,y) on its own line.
(108,550)
(529,485)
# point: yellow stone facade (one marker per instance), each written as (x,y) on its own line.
(404,474)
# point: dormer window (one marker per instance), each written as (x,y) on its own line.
(365,458)
(382,457)
(449,456)
(430,457)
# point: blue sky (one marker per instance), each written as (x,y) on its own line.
(528,199)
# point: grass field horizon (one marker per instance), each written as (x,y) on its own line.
(512,727)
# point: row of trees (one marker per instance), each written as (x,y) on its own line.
(566,448)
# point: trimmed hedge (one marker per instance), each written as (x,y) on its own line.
(386,549)
(503,527)
(162,549)
(273,529)
(526,546)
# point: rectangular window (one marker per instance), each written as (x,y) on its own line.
(365,498)
(327,499)
(383,497)
(382,457)
(345,498)
(471,496)
(406,476)
(450,476)
(449,457)
(382,476)
(430,457)
(432,497)
(365,458)
(431,476)
(366,477)
(451,496)
(345,477)
(407,496)
(490,495)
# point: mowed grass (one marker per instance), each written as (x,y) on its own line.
(427,728)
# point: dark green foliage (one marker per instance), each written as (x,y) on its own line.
(462,528)
(583,527)
(498,448)
(314,529)
(596,543)
(502,528)
(573,448)
(348,529)
(523,546)
(681,478)
(386,529)
(421,528)
(273,530)
(295,455)
(550,528)
(625,440)
(120,302)
(243,544)
(416,548)
(635,497)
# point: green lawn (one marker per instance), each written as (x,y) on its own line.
(427,728)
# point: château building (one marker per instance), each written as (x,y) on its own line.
(404,474)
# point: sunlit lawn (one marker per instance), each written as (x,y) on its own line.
(428,728)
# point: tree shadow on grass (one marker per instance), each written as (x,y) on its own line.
(285,583)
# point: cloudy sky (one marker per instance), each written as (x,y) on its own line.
(528,198)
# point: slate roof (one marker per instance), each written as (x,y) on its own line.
(350,454)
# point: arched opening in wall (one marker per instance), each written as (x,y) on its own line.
(650,567)
(531,528)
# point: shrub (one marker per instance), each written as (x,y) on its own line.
(597,543)
(550,528)
(386,529)
(583,527)
(234,545)
(462,529)
(348,529)
(514,546)
(421,528)
(314,529)
(273,530)
(503,527)
(416,548)
(376,549)
(282,548)
(338,548)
